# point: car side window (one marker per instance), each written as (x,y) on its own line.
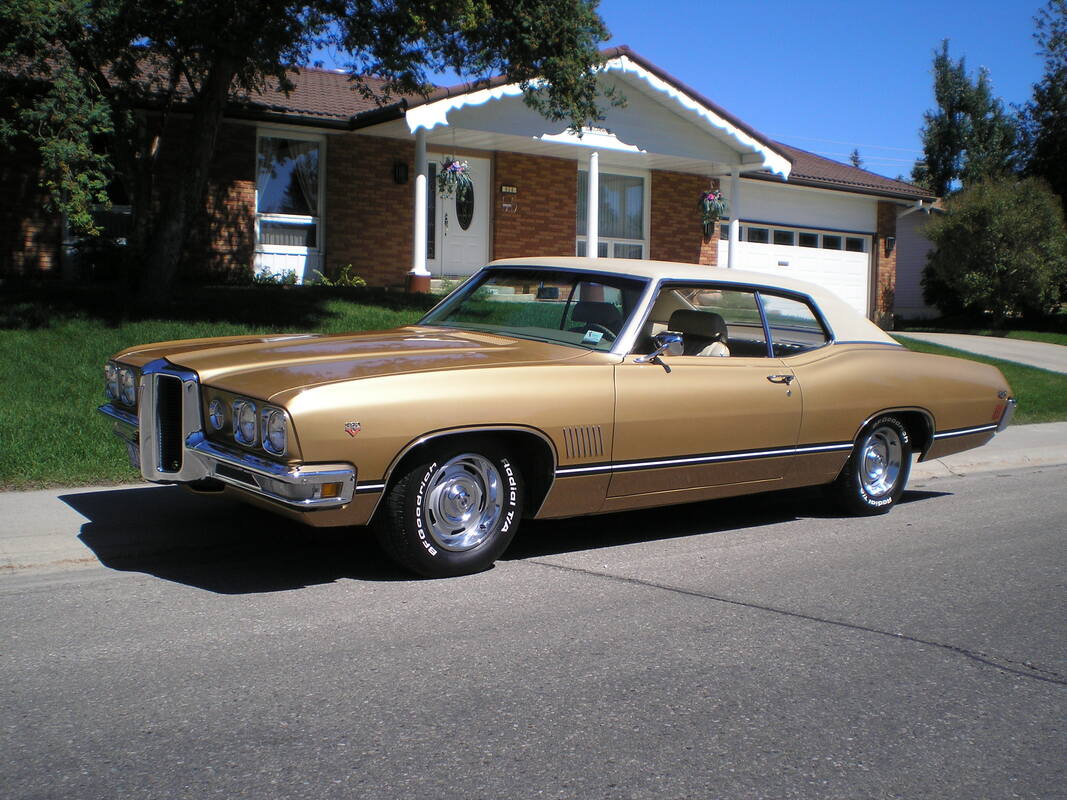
(794,325)
(713,322)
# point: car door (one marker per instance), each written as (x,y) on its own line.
(702,419)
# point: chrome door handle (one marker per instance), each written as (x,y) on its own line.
(786,379)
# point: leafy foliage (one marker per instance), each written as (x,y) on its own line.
(1046,115)
(1000,249)
(91,85)
(969,137)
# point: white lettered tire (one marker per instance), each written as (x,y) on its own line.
(877,471)
(454,511)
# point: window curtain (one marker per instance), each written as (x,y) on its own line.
(622,206)
(288,179)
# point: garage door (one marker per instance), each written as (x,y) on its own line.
(838,261)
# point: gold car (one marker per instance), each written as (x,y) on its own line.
(552,387)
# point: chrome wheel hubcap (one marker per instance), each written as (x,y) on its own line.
(880,462)
(463,502)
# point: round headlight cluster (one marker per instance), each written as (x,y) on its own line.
(120,384)
(127,386)
(111,381)
(244,422)
(275,431)
(216,414)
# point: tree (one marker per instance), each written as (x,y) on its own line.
(91,84)
(969,137)
(1046,114)
(1000,249)
(855,159)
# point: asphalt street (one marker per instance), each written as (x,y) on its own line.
(751,648)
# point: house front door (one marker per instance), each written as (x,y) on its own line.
(462,224)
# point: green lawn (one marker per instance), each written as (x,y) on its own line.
(54,346)
(1042,394)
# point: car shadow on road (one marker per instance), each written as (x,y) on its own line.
(221,545)
(224,546)
(539,538)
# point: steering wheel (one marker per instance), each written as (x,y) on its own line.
(604,329)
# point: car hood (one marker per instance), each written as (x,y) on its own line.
(268,365)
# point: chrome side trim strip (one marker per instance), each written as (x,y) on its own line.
(965,431)
(367,488)
(707,458)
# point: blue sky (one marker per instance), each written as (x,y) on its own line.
(829,75)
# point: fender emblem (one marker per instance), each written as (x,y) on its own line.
(352,428)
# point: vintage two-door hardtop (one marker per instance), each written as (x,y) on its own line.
(552,387)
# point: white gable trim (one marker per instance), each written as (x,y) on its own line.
(752,154)
(772,161)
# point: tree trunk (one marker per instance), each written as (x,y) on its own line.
(183,195)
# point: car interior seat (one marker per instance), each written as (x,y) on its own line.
(704,333)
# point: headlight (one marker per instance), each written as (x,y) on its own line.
(216,414)
(244,422)
(275,431)
(127,386)
(111,381)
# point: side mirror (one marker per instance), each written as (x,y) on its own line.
(667,343)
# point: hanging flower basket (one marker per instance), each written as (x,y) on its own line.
(712,207)
(452,175)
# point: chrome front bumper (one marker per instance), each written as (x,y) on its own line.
(166,442)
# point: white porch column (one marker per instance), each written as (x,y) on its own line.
(735,225)
(592,228)
(419,277)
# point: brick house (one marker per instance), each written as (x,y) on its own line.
(323,178)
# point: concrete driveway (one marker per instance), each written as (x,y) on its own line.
(1035,354)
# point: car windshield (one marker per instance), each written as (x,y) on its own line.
(583,309)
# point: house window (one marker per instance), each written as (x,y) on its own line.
(622,215)
(785,237)
(831,242)
(808,239)
(855,244)
(287,192)
(758,235)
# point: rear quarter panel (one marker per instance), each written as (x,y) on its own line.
(845,385)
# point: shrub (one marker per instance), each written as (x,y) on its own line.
(346,277)
(1000,249)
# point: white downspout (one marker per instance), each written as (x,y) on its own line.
(735,224)
(419,277)
(592,228)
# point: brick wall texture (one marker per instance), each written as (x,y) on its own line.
(543,219)
(30,237)
(885,266)
(369,217)
(677,232)
(221,242)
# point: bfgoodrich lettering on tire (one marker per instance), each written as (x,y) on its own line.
(877,471)
(454,511)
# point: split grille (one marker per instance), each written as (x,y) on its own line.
(585,441)
(169,422)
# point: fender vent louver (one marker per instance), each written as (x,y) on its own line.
(584,442)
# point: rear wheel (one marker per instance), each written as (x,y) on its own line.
(453,512)
(877,471)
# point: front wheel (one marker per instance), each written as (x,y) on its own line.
(453,512)
(875,475)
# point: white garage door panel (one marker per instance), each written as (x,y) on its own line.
(841,271)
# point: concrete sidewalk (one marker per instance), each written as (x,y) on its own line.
(47,530)
(1034,354)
